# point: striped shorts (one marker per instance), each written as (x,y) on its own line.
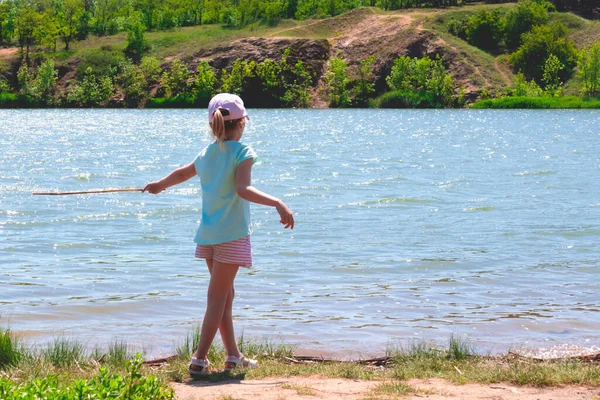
(237,251)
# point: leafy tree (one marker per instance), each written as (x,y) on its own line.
(4,16)
(485,30)
(47,31)
(522,18)
(273,11)
(136,41)
(588,69)
(538,45)
(132,80)
(365,86)
(70,21)
(337,82)
(399,77)
(551,75)
(44,84)
(27,20)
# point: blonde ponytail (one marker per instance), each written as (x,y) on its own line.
(218,126)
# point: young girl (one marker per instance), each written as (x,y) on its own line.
(223,238)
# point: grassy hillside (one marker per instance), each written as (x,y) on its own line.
(353,36)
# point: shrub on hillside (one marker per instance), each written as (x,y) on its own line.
(485,30)
(91,90)
(537,46)
(422,75)
(337,83)
(588,69)
(522,19)
(39,86)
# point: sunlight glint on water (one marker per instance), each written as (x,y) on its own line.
(410,225)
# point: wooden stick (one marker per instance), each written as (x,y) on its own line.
(88,192)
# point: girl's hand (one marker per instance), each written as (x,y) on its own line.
(287,218)
(153,187)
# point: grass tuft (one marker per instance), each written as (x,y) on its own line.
(459,349)
(10,352)
(64,353)
(190,342)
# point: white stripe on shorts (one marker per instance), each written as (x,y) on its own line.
(237,251)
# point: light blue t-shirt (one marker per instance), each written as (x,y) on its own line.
(225,215)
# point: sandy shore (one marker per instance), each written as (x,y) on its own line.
(280,388)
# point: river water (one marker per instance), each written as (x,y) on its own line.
(410,225)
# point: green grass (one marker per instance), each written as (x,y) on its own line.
(10,352)
(566,102)
(455,361)
(64,353)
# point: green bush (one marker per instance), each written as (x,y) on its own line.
(151,69)
(537,46)
(132,386)
(175,80)
(236,79)
(297,92)
(133,81)
(523,88)
(458,28)
(92,90)
(522,18)
(204,84)
(485,30)
(337,82)
(410,75)
(39,86)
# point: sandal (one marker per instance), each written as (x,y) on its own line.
(232,362)
(198,367)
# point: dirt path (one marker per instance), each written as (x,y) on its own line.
(502,72)
(274,34)
(279,388)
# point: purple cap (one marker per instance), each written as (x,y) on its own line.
(230,102)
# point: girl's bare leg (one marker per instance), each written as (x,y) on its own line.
(219,290)
(226,326)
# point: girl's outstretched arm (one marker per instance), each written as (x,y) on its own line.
(244,189)
(176,177)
